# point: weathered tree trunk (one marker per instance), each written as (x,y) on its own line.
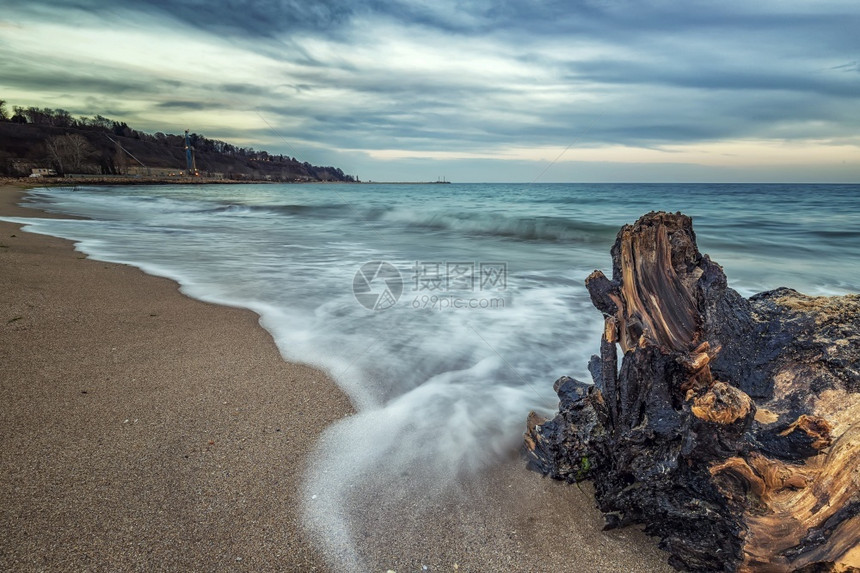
(731,428)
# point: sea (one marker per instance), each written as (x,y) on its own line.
(444,311)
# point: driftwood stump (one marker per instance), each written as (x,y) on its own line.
(731,428)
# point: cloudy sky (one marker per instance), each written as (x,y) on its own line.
(519,90)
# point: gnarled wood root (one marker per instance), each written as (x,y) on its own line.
(732,426)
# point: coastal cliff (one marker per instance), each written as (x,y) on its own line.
(51,140)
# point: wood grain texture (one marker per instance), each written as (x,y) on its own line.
(731,427)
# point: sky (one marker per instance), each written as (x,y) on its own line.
(478,91)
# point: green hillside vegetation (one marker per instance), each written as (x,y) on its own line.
(51,138)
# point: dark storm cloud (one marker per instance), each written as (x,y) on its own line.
(193,105)
(692,73)
(24,73)
(715,76)
(260,18)
(271,18)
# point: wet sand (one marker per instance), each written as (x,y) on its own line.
(144,431)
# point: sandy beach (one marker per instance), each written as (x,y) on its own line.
(145,431)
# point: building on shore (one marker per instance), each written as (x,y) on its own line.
(42,172)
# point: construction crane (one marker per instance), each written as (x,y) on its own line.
(190,160)
(126,151)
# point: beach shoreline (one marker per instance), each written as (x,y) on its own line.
(117,180)
(131,438)
(144,430)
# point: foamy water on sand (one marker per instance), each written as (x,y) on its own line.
(479,307)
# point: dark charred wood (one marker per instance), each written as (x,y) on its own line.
(731,426)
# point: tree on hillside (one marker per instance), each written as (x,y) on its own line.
(69,153)
(97,122)
(18,114)
(62,118)
(3,113)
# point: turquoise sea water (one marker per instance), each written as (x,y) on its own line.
(479,306)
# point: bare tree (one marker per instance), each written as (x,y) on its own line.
(69,152)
